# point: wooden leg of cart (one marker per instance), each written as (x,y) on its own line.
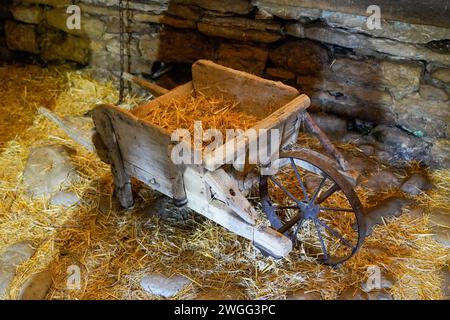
(178,190)
(122,180)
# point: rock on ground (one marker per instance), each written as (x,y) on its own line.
(302,295)
(441,235)
(386,282)
(391,207)
(367,149)
(10,259)
(47,170)
(357,138)
(64,198)
(352,294)
(439,218)
(163,286)
(36,286)
(383,180)
(415,184)
(331,125)
(358,294)
(399,146)
(360,163)
(379,295)
(440,154)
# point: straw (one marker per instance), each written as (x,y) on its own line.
(115,248)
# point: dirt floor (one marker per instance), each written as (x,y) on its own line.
(115,248)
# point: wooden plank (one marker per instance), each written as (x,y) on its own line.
(325,141)
(144,149)
(292,108)
(428,12)
(83,137)
(122,180)
(153,88)
(178,93)
(225,154)
(255,95)
(271,241)
(227,190)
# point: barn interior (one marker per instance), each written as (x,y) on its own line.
(380,93)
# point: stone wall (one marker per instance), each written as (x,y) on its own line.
(5,54)
(398,75)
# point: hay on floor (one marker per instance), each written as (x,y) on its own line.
(114,248)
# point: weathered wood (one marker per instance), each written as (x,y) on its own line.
(226,153)
(198,200)
(122,180)
(178,189)
(83,137)
(325,141)
(255,95)
(144,149)
(100,148)
(280,116)
(152,87)
(179,93)
(226,189)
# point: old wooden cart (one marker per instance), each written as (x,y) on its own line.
(309,202)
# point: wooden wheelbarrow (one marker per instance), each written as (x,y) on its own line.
(137,148)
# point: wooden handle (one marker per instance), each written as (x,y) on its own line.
(152,87)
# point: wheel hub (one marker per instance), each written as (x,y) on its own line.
(310,211)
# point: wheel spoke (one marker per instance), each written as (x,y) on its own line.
(290,223)
(336,209)
(290,195)
(322,243)
(328,193)
(336,234)
(299,178)
(318,190)
(294,236)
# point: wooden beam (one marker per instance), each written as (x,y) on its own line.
(428,12)
(152,87)
(81,136)
(227,190)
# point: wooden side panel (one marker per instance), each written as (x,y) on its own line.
(286,119)
(178,93)
(143,148)
(255,95)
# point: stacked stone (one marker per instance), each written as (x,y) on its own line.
(5,54)
(397,75)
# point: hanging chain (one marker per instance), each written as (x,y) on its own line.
(121,52)
(124,28)
(129,42)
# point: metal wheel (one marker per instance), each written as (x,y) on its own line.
(309,200)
